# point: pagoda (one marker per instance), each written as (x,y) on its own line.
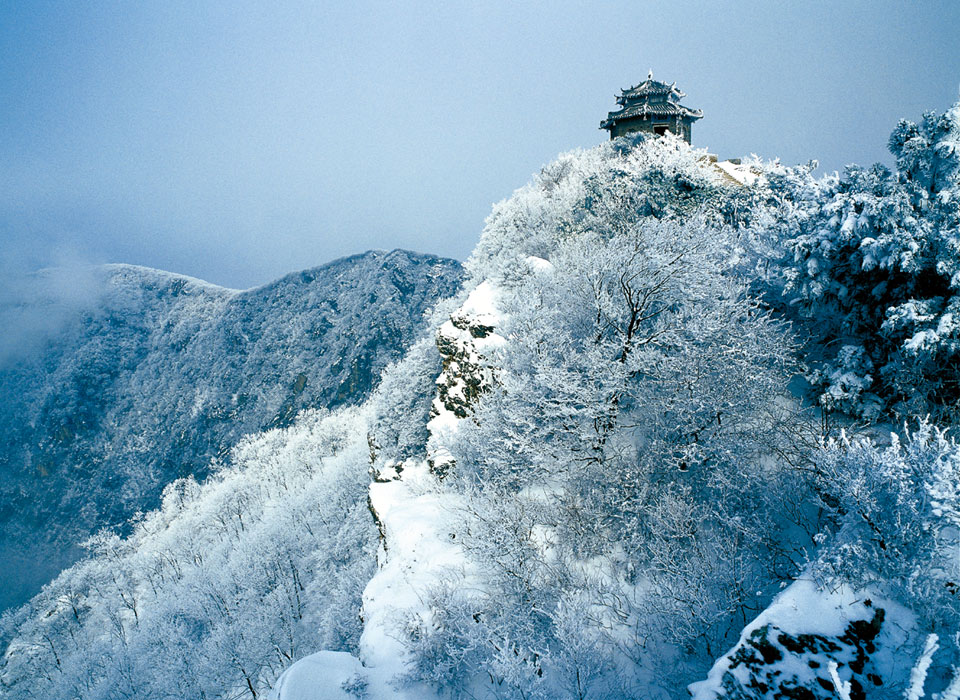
(652,107)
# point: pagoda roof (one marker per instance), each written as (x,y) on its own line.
(651,109)
(651,87)
(651,98)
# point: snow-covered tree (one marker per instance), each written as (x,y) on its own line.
(615,467)
(220,589)
(875,263)
(896,521)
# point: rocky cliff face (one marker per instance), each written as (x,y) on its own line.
(818,644)
(467,343)
(160,375)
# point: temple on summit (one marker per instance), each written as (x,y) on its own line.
(652,107)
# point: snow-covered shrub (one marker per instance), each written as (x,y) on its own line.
(860,619)
(401,406)
(606,189)
(875,262)
(844,385)
(896,521)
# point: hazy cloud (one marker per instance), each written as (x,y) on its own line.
(35,305)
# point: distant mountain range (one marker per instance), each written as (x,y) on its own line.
(156,376)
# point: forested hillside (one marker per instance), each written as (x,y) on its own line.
(154,376)
(676,435)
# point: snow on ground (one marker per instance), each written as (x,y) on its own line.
(418,551)
(481,305)
(326,675)
(416,516)
(739,173)
(337,675)
(416,519)
(539,265)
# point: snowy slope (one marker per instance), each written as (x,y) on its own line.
(158,374)
(216,592)
(417,519)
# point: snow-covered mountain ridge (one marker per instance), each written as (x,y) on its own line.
(506,568)
(158,375)
(597,473)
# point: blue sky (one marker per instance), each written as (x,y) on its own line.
(237,141)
